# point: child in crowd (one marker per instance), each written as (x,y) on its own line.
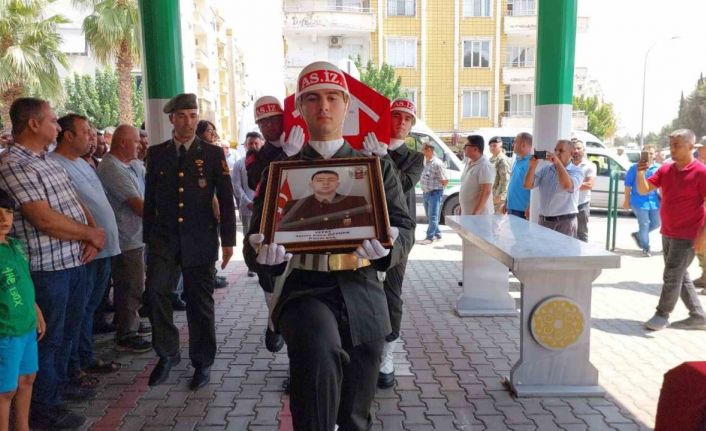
(21,324)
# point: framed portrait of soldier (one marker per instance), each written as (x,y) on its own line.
(325,206)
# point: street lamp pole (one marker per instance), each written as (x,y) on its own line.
(644,87)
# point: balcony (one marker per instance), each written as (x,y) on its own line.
(518,74)
(579,121)
(328,17)
(523,74)
(524,22)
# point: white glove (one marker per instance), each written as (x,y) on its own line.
(371,146)
(269,254)
(373,250)
(295,142)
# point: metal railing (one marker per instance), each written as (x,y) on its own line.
(612,210)
(519,64)
(530,11)
(326,6)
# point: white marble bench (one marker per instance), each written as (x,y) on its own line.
(556,273)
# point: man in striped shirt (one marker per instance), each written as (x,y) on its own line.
(60,237)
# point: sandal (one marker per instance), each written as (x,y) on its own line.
(102,367)
(83,380)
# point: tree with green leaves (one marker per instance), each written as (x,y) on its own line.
(29,52)
(601,118)
(382,80)
(96,97)
(112,33)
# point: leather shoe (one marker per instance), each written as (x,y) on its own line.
(220,282)
(201,378)
(273,341)
(386,380)
(161,370)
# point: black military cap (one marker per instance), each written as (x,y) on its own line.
(181,101)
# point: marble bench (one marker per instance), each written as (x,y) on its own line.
(556,273)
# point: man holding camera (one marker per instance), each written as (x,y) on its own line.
(683,185)
(558,185)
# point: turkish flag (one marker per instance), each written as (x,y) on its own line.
(284,196)
(368,111)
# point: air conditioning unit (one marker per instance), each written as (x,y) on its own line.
(335,42)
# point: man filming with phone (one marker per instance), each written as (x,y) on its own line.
(558,184)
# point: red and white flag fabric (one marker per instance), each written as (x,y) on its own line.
(283,197)
(368,111)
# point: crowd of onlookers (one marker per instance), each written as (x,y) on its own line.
(72,197)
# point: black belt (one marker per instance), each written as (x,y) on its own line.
(560,217)
(583,205)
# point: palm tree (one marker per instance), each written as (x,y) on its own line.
(112,33)
(29,52)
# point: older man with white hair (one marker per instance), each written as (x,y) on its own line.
(558,185)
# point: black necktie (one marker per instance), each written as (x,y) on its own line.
(182,154)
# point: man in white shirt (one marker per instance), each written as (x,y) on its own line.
(589,177)
(476,194)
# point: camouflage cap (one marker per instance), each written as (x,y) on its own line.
(181,101)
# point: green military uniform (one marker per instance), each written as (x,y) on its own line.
(311,214)
(409,166)
(334,322)
(181,232)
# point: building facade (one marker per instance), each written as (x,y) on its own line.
(466,63)
(212,60)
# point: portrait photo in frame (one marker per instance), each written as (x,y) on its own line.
(325,206)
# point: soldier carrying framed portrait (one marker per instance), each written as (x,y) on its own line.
(325,206)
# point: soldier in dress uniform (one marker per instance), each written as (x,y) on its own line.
(181,232)
(269,117)
(409,165)
(332,310)
(325,208)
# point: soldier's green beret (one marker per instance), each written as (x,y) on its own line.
(181,101)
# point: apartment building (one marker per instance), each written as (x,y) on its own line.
(466,63)
(212,60)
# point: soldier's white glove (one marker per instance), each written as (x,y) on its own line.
(294,143)
(269,254)
(371,146)
(371,249)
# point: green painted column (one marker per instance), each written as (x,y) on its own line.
(554,77)
(162,61)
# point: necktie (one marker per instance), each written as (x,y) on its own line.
(182,155)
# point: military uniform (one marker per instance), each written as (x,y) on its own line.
(259,161)
(181,231)
(409,166)
(311,214)
(334,319)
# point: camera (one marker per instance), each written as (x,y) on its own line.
(540,155)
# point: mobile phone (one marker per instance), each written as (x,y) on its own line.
(540,155)
(644,157)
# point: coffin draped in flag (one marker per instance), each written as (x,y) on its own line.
(368,111)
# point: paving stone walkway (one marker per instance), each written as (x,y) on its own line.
(449,369)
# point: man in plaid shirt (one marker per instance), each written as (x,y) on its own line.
(433,182)
(60,237)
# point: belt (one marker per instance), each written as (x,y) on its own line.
(584,205)
(560,217)
(328,262)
